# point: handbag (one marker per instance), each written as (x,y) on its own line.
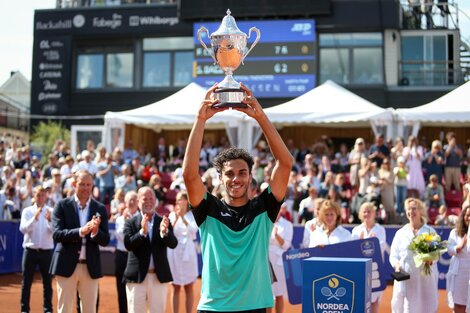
(401,275)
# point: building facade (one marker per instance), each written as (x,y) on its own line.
(96,56)
(14,108)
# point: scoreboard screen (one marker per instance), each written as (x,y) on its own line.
(281,65)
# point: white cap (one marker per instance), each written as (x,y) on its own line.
(47,184)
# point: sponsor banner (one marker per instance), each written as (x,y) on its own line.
(295,285)
(119,20)
(50,88)
(336,285)
(112,239)
(11,250)
(11,240)
(365,248)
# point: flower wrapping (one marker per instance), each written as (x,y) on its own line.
(427,248)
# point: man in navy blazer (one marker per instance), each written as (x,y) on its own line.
(80,226)
(147,237)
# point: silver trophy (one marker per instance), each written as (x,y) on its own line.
(229,50)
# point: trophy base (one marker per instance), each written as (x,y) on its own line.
(229,97)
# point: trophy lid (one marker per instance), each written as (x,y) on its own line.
(228,26)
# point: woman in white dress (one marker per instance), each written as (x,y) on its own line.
(459,269)
(419,293)
(413,154)
(369,228)
(355,157)
(386,179)
(280,241)
(330,231)
(183,259)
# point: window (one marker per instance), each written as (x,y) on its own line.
(119,70)
(353,58)
(367,66)
(138,64)
(334,65)
(424,61)
(81,134)
(90,71)
(182,73)
(168,62)
(98,68)
(157,69)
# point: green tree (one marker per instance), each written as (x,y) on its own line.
(45,135)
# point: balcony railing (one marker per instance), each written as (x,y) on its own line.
(107,3)
(425,14)
(429,73)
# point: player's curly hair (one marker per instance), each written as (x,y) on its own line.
(229,154)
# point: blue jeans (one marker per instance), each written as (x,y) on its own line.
(400,194)
(106,191)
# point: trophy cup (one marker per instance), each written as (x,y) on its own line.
(229,50)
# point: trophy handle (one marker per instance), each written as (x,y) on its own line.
(258,36)
(201,30)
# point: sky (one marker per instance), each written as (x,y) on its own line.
(16,33)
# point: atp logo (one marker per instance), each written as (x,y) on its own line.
(304,28)
(368,248)
(333,293)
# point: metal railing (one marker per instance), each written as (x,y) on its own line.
(107,3)
(425,14)
(429,73)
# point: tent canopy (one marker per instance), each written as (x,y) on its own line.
(450,109)
(174,112)
(330,105)
(177,112)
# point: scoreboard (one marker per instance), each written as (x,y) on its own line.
(281,65)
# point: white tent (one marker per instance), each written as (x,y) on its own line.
(452,109)
(333,106)
(174,112)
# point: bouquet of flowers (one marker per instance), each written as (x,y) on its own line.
(427,247)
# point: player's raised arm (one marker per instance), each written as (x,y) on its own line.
(192,179)
(284,160)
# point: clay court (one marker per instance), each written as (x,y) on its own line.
(10,286)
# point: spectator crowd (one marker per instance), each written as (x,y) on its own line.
(383,172)
(367,184)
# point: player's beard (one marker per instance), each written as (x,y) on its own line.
(238,193)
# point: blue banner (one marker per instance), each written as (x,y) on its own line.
(390,230)
(112,238)
(365,248)
(279,85)
(11,250)
(336,285)
(283,64)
